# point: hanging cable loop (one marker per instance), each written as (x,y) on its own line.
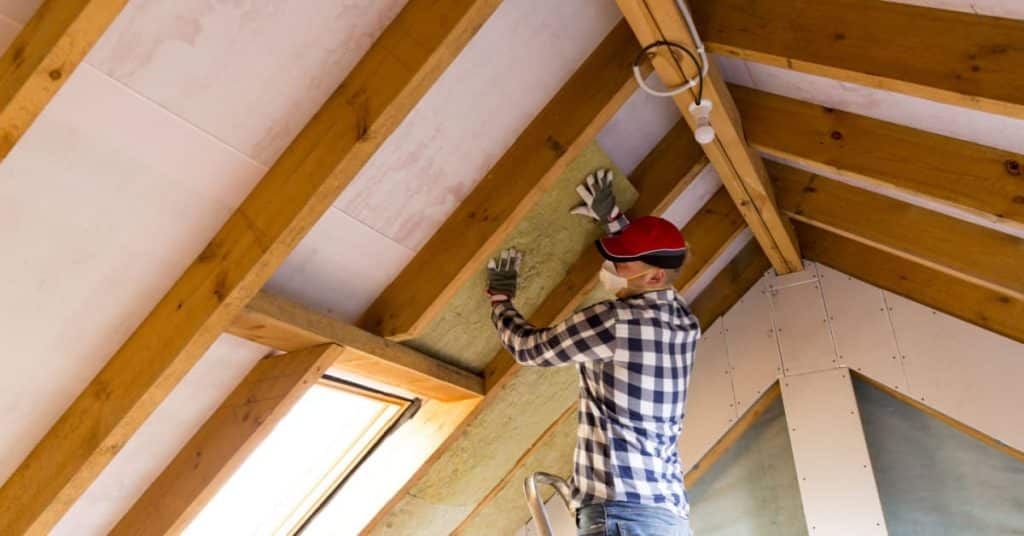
(698,81)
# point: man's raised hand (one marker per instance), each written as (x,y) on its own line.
(598,197)
(503,275)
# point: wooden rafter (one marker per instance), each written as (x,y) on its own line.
(981,306)
(285,325)
(567,124)
(985,182)
(671,166)
(225,440)
(976,254)
(382,88)
(740,168)
(958,58)
(45,54)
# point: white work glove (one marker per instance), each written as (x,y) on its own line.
(503,275)
(598,197)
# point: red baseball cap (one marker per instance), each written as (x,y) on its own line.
(650,239)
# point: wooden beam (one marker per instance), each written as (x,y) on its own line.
(976,254)
(236,428)
(671,166)
(740,168)
(985,182)
(981,306)
(709,234)
(735,432)
(957,58)
(567,124)
(730,284)
(965,429)
(285,325)
(45,54)
(397,70)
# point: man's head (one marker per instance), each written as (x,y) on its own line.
(647,255)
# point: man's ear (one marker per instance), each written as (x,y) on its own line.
(658,277)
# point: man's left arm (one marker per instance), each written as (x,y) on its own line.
(587,335)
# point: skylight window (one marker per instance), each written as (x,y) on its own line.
(303,459)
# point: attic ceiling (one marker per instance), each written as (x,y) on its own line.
(180,109)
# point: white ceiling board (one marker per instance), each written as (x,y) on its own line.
(710,409)
(250,73)
(160,438)
(19,11)
(798,311)
(8,31)
(103,203)
(962,123)
(692,199)
(637,128)
(860,324)
(1009,9)
(473,113)
(340,267)
(718,264)
(752,346)
(733,69)
(966,372)
(837,484)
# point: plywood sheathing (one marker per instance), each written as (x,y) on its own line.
(551,240)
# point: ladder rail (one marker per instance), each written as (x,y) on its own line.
(536,503)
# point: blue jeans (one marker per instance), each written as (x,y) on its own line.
(617,518)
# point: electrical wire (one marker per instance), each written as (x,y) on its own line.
(701,63)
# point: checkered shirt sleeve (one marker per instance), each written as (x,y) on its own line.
(585,336)
(634,358)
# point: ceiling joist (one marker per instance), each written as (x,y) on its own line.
(979,305)
(285,325)
(43,56)
(460,247)
(740,168)
(218,448)
(957,58)
(985,182)
(976,254)
(326,155)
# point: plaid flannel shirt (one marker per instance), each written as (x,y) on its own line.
(634,357)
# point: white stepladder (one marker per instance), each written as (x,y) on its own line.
(536,503)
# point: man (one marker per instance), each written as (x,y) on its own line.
(633,355)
